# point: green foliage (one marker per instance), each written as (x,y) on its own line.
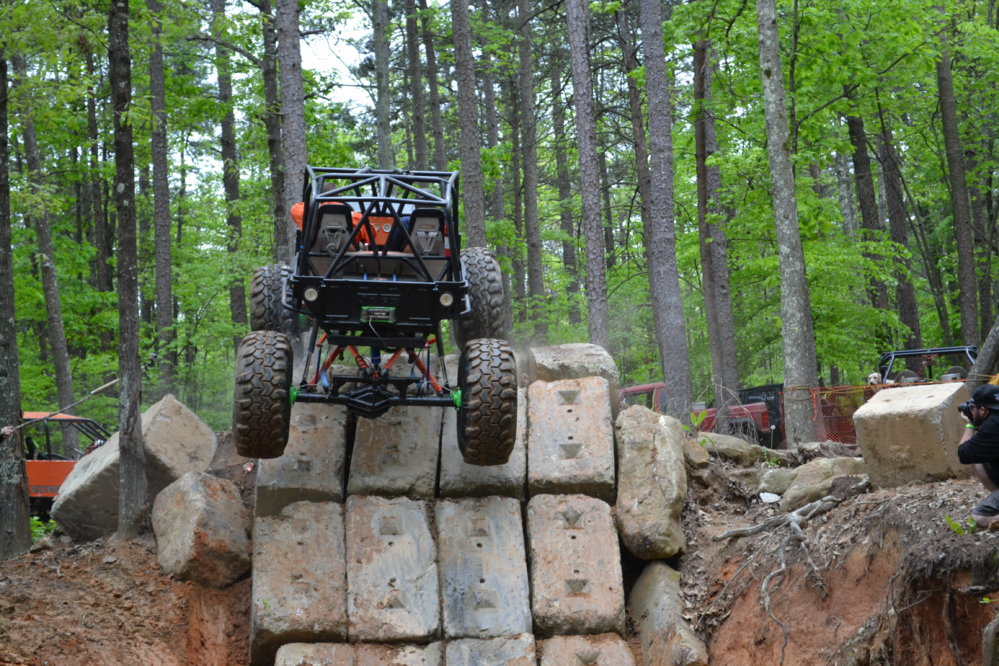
(42,528)
(968,527)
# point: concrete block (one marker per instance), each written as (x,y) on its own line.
(299,578)
(176,441)
(311,468)
(362,654)
(459,479)
(652,483)
(601,650)
(483,568)
(573,361)
(506,651)
(570,444)
(393,592)
(910,433)
(400,655)
(576,581)
(202,530)
(656,607)
(316,654)
(396,454)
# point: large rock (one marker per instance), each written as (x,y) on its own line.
(910,433)
(570,443)
(730,448)
(815,479)
(483,568)
(396,454)
(652,483)
(656,606)
(202,530)
(311,468)
(299,578)
(573,361)
(576,580)
(176,442)
(393,592)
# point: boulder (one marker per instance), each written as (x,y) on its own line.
(652,483)
(176,441)
(657,608)
(813,480)
(730,448)
(202,530)
(909,433)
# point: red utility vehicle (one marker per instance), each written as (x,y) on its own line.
(758,416)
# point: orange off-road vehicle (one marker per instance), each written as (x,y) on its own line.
(48,461)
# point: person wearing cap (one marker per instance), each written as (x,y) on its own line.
(979,446)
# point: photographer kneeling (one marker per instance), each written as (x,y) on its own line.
(979,445)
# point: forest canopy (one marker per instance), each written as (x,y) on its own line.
(891,116)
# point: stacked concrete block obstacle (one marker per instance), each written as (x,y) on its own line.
(424,560)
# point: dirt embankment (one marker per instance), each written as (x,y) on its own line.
(107,603)
(882,578)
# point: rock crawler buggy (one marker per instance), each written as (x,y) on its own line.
(378,267)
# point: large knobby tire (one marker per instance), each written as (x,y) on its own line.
(266,311)
(261,408)
(491,315)
(487,419)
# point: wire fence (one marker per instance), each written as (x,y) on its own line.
(833,408)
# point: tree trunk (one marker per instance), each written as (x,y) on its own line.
(630,55)
(898,224)
(966,281)
(714,241)
(987,363)
(845,194)
(416,87)
(102,236)
(495,193)
(800,365)
(564,187)
(660,249)
(468,118)
(596,273)
(515,254)
(230,178)
(863,177)
(46,256)
(161,207)
(272,122)
(529,153)
(15,529)
(383,97)
(292,112)
(436,122)
(132,499)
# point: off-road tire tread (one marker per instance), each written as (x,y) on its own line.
(487,420)
(261,409)
(266,311)
(491,315)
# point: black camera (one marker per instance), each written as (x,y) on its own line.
(965,408)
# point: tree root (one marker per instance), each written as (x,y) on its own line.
(795,539)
